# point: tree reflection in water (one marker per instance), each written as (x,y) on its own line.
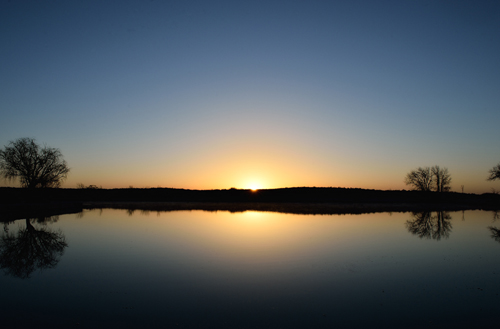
(495,232)
(31,248)
(424,225)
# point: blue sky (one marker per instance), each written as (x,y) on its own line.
(216,94)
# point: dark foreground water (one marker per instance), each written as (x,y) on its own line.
(113,269)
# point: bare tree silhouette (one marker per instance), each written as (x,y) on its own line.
(494,172)
(420,179)
(31,249)
(424,225)
(428,179)
(33,165)
(442,179)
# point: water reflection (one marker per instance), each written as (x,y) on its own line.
(424,225)
(495,232)
(31,248)
(201,269)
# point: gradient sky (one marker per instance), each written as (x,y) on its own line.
(220,94)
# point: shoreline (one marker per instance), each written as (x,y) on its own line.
(288,208)
(29,203)
(22,211)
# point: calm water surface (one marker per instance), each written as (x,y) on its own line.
(196,269)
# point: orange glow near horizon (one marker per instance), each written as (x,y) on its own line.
(254,171)
(224,174)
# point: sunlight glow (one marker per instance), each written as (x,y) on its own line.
(254,187)
(255,216)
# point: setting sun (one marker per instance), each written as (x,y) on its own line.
(254,187)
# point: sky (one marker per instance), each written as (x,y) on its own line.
(255,94)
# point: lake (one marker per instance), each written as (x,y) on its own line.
(198,269)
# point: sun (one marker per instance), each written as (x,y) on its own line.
(254,183)
(254,187)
